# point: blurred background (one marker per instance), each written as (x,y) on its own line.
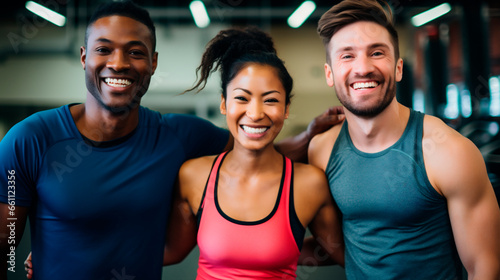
(451,53)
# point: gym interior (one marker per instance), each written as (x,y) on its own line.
(451,68)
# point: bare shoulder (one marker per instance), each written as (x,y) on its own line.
(326,137)
(441,140)
(311,192)
(309,180)
(321,145)
(450,158)
(191,166)
(194,173)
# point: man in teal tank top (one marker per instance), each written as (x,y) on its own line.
(414,194)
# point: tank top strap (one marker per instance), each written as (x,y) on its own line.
(212,180)
(287,204)
(213,173)
(418,125)
(287,183)
(411,140)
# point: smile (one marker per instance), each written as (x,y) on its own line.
(254,130)
(117,82)
(365,85)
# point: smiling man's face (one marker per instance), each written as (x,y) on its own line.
(362,67)
(119,61)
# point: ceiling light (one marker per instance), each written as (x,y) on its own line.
(200,14)
(46,13)
(299,16)
(430,15)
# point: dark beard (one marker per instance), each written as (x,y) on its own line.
(119,110)
(122,110)
(372,111)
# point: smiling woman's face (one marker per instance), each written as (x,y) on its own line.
(255,107)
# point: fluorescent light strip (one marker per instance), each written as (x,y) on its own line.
(46,13)
(200,14)
(300,15)
(430,15)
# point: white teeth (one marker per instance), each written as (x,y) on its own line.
(254,130)
(364,85)
(117,82)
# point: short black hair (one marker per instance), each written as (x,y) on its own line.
(124,8)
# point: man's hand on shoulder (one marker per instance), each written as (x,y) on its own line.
(323,122)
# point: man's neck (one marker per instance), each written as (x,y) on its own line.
(98,124)
(378,133)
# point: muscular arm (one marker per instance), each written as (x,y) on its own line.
(321,147)
(457,170)
(182,228)
(181,231)
(296,147)
(315,206)
(11,232)
(326,246)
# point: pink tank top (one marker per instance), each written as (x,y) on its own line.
(231,249)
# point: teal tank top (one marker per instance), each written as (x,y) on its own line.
(395,224)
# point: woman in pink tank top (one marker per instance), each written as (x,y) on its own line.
(248,208)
